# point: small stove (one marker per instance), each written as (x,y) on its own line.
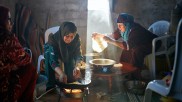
(77,93)
(80,91)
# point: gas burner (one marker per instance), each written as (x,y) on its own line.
(71,90)
(75,93)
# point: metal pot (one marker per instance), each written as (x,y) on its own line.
(102,65)
(81,86)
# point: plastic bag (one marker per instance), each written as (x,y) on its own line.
(99,44)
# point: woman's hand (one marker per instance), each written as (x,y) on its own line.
(76,73)
(63,78)
(97,35)
(60,75)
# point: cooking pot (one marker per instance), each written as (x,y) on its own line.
(102,65)
(82,85)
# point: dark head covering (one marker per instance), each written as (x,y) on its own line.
(66,51)
(124,17)
(3,19)
(67,28)
(127,20)
(3,15)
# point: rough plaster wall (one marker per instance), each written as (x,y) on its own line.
(10,4)
(145,12)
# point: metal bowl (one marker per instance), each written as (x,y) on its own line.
(136,87)
(102,62)
(102,65)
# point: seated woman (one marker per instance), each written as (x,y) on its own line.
(17,74)
(62,55)
(132,38)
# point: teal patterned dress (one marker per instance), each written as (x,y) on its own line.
(53,60)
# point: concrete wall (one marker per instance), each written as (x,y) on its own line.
(145,12)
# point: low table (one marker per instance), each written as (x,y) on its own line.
(117,71)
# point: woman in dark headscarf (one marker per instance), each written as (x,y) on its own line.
(17,74)
(63,52)
(136,41)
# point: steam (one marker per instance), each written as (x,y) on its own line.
(98,20)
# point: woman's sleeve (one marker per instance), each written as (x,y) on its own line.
(134,39)
(16,52)
(139,37)
(53,57)
(78,54)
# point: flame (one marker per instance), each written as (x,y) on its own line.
(73,90)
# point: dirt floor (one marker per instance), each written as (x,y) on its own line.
(100,90)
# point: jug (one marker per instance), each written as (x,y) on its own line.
(99,44)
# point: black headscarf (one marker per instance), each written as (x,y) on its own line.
(127,20)
(65,51)
(3,19)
